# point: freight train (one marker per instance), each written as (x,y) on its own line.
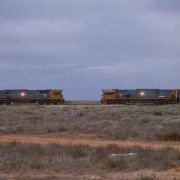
(49,96)
(109,96)
(157,96)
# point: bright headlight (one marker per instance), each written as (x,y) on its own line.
(142,93)
(23,94)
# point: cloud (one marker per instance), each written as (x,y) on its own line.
(38,36)
(166,6)
(89,45)
(3,65)
(125,68)
(159,6)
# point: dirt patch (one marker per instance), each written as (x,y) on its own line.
(84,139)
(138,175)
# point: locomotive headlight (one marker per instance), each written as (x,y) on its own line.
(142,93)
(23,94)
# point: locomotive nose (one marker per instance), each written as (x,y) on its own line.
(23,94)
(142,93)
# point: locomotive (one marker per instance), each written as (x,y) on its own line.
(157,96)
(49,96)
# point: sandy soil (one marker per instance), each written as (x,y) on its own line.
(84,139)
(166,175)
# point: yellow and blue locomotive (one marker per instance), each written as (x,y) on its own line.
(158,96)
(49,96)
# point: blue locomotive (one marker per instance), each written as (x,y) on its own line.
(49,96)
(159,96)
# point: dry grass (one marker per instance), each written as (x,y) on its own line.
(146,177)
(82,159)
(168,136)
(115,122)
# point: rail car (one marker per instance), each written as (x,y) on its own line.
(49,96)
(157,96)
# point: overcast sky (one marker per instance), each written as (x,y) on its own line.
(83,46)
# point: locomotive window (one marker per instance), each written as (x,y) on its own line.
(57,93)
(109,93)
(7,92)
(42,92)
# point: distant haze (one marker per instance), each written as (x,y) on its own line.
(83,46)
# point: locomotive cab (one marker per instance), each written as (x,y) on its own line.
(109,96)
(56,95)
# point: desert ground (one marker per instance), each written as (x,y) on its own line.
(90,141)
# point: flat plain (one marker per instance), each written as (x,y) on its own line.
(90,141)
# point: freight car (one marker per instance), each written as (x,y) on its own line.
(157,96)
(31,96)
